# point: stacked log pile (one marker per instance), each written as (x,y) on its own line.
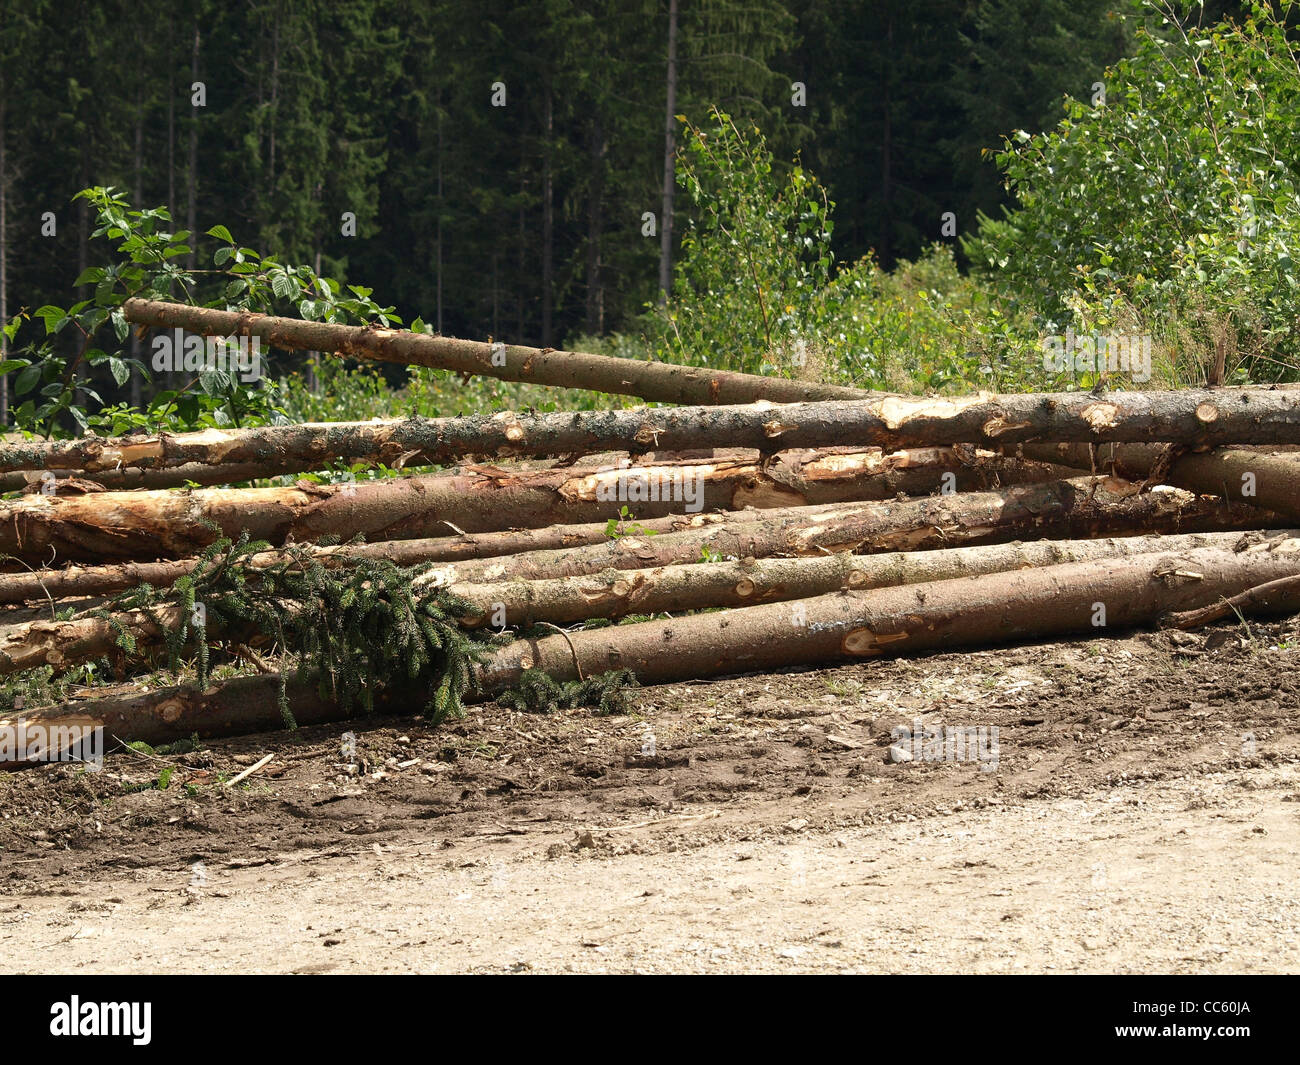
(765,524)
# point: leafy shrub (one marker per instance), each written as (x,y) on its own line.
(1169,207)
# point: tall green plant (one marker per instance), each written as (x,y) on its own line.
(755,258)
(1168,198)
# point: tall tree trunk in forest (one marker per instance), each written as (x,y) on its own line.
(595,223)
(192,209)
(548,217)
(4,262)
(523,242)
(275,101)
(73,375)
(138,192)
(670,150)
(886,151)
(171,118)
(438,236)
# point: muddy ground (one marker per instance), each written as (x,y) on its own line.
(1143,815)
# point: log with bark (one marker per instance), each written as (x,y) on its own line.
(1082,597)
(1266,480)
(1080,508)
(129,478)
(1258,416)
(90,581)
(617,593)
(63,644)
(115,526)
(1076,509)
(659,381)
(200,475)
(849,626)
(1243,417)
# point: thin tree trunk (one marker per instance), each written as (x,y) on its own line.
(189,475)
(192,178)
(4,259)
(438,237)
(662,382)
(138,193)
(1281,596)
(595,223)
(275,101)
(887,153)
(548,215)
(520,301)
(171,117)
(670,152)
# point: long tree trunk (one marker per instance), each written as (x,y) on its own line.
(67,643)
(188,475)
(192,177)
(4,260)
(102,526)
(846,626)
(548,212)
(138,192)
(670,153)
(658,381)
(595,222)
(86,581)
(698,586)
(437,268)
(171,118)
(555,551)
(1271,481)
(1258,417)
(939,615)
(1073,509)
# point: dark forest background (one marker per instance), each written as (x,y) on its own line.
(524,221)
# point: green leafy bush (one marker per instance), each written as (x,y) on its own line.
(1167,208)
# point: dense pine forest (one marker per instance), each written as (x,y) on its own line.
(540,173)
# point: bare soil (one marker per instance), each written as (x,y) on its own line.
(1143,816)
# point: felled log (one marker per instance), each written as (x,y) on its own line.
(114,526)
(984,610)
(659,381)
(617,593)
(1259,416)
(1077,509)
(64,644)
(129,478)
(842,627)
(1257,477)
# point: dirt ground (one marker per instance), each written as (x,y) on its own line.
(1142,815)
